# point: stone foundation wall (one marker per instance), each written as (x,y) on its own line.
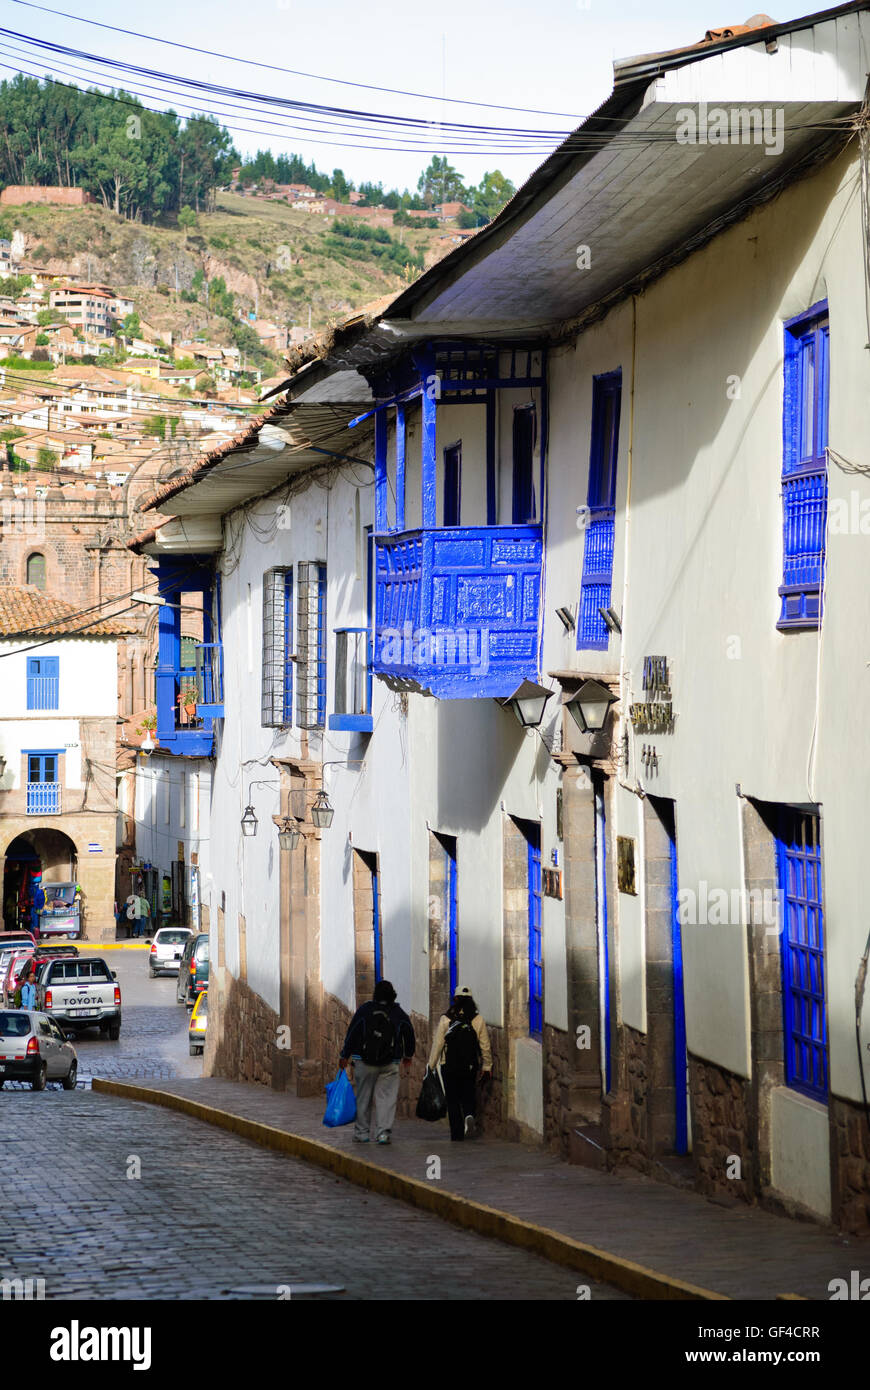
(626,1114)
(850,1177)
(336,1020)
(559,1070)
(722,1130)
(248,1032)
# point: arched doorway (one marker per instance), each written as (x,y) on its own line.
(37,857)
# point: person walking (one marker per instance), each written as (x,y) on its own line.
(379,1038)
(461,1047)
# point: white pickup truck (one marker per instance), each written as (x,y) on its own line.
(81,993)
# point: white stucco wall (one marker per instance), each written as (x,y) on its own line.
(88,683)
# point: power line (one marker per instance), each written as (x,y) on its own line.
(271,67)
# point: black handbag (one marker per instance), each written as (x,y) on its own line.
(432,1103)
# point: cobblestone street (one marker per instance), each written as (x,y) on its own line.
(212,1216)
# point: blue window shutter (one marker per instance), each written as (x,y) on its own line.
(321,645)
(804,468)
(288,647)
(597,577)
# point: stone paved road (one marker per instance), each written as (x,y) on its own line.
(211,1214)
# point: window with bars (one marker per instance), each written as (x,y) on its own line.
(311,645)
(277,698)
(799,871)
(597,576)
(804,468)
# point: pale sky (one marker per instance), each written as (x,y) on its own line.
(551,55)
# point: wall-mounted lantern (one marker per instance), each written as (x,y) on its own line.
(588,706)
(289,835)
(321,811)
(249,821)
(528,702)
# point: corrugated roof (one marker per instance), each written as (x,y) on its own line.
(27,611)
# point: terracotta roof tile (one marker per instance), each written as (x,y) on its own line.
(26,611)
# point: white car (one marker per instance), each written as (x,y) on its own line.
(167,949)
(34,1048)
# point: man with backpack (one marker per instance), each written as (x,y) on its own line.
(380,1036)
(461,1047)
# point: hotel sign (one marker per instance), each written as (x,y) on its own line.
(654,714)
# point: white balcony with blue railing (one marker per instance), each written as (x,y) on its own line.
(353,681)
(209,680)
(43,798)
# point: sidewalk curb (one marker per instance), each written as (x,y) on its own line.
(630,1278)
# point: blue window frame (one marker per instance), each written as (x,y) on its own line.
(597,576)
(536,963)
(804,468)
(452,483)
(43,784)
(277,688)
(799,869)
(43,682)
(376,921)
(524,438)
(321,645)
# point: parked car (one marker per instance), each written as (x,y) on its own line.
(8,939)
(198,1023)
(81,993)
(193,969)
(33,1048)
(18,962)
(166,949)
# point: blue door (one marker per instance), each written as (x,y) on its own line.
(799,865)
(596,580)
(536,963)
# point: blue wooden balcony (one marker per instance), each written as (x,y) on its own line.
(189,698)
(43,798)
(457,609)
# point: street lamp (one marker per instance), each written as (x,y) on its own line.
(321,811)
(289,835)
(527,703)
(249,821)
(588,706)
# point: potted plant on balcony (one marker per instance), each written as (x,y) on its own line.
(189,698)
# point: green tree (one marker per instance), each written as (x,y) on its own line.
(46,458)
(187,217)
(490,196)
(441,183)
(340,186)
(42,340)
(132,326)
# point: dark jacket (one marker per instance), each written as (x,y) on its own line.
(402,1029)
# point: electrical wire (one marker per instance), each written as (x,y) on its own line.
(292,72)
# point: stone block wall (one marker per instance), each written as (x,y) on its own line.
(247,1029)
(559,1068)
(850,1178)
(722,1130)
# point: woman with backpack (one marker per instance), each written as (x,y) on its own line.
(461,1047)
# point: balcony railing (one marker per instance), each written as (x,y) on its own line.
(43,798)
(352,681)
(210,679)
(458,609)
(42,692)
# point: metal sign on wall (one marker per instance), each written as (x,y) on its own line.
(654,714)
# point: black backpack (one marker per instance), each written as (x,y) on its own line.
(461,1047)
(379,1044)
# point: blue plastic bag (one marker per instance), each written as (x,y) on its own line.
(340,1101)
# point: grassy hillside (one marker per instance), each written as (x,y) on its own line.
(270,257)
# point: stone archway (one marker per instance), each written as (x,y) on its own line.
(42,850)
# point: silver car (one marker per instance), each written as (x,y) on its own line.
(166,949)
(33,1048)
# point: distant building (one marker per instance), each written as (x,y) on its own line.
(17,194)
